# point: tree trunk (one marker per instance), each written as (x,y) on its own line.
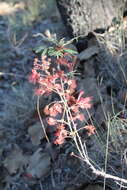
(84,16)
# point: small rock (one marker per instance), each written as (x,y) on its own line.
(88,53)
(36,133)
(89,86)
(123,96)
(94,187)
(70,188)
(89,70)
(105,109)
(16,160)
(39,164)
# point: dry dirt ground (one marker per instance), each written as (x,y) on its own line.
(27,161)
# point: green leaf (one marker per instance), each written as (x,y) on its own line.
(70,51)
(44,52)
(39,49)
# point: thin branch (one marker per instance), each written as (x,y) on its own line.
(42,124)
(106,153)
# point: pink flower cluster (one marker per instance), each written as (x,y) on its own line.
(50,78)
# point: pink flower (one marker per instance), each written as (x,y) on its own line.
(62,61)
(45,63)
(84,103)
(28,175)
(90,129)
(39,91)
(58,107)
(72,83)
(79,116)
(59,140)
(46,110)
(33,78)
(53,110)
(51,121)
(74,108)
(61,134)
(80,95)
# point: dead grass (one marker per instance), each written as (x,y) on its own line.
(19,105)
(8,8)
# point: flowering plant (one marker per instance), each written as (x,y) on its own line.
(54,74)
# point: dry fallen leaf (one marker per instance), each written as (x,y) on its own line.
(36,133)
(16,160)
(39,164)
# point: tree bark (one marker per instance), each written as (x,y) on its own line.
(84,16)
